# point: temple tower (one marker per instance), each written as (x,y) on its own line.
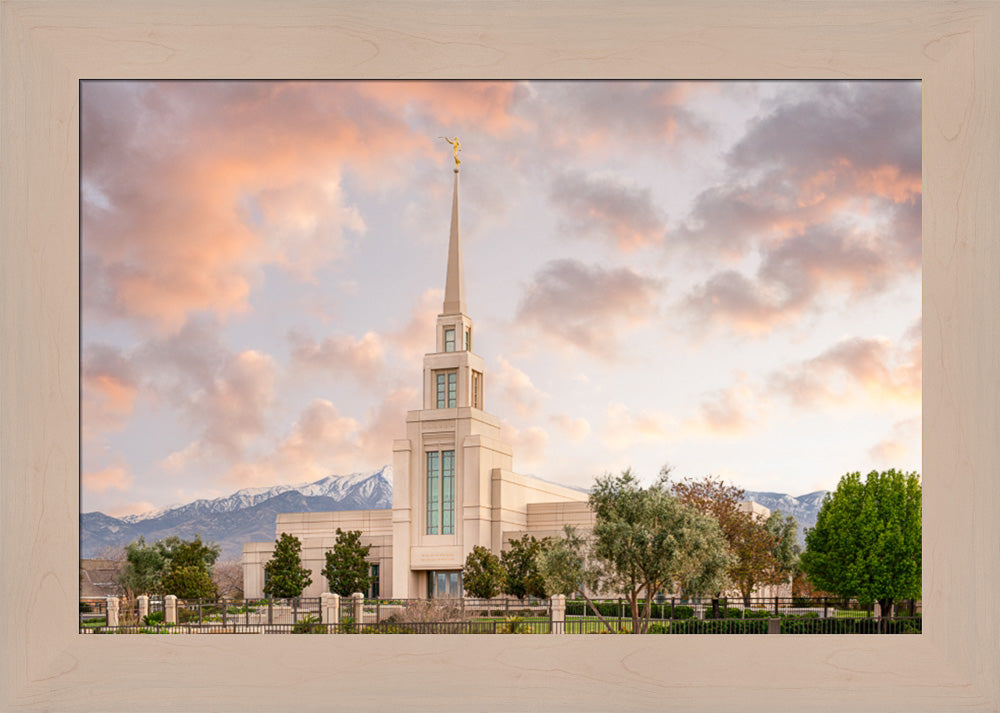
(443,470)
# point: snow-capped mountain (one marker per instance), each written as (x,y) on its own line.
(248,515)
(804,507)
(245,516)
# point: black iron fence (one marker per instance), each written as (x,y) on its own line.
(315,615)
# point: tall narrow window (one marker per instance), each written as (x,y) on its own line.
(432,493)
(477,385)
(468,339)
(447,492)
(449,339)
(373,589)
(446,383)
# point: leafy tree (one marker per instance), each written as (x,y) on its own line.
(784,530)
(483,576)
(144,567)
(562,565)
(284,574)
(346,567)
(521,568)
(867,541)
(189,568)
(646,540)
(754,547)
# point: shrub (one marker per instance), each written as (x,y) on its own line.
(155,617)
(309,624)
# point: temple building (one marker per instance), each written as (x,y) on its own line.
(453,484)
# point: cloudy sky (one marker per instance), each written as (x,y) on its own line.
(722,277)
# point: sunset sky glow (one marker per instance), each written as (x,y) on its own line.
(720,276)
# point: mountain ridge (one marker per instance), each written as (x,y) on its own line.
(248,515)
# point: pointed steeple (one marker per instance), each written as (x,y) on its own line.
(454,286)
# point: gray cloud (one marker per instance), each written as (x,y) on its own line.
(587,307)
(604,208)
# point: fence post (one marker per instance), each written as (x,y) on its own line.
(825,613)
(112,607)
(142,601)
(331,608)
(774,626)
(358,608)
(776,606)
(270,610)
(170,609)
(619,614)
(557,615)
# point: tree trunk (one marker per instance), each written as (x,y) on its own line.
(885,614)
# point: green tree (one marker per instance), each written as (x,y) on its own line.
(646,540)
(563,566)
(346,567)
(784,529)
(483,576)
(754,548)
(143,569)
(284,575)
(867,540)
(521,568)
(189,569)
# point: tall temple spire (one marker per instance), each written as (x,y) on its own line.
(454,286)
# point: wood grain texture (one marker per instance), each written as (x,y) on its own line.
(49,46)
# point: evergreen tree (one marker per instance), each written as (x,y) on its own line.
(346,568)
(189,570)
(284,575)
(483,575)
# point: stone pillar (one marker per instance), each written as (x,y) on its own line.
(170,609)
(358,607)
(143,602)
(558,625)
(774,626)
(330,604)
(112,605)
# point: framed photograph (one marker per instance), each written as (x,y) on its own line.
(49,48)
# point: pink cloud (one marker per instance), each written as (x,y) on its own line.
(515,388)
(416,337)
(624,428)
(869,367)
(116,477)
(191,188)
(732,411)
(900,443)
(363,358)
(108,390)
(576,428)
(529,443)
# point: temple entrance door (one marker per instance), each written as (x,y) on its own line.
(444,584)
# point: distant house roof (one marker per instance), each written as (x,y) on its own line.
(98,578)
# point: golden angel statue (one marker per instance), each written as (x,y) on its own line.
(455,147)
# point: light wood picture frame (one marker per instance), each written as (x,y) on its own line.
(49,46)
